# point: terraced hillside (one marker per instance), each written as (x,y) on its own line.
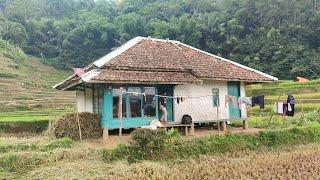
(26,91)
(307,95)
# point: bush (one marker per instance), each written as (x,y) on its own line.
(67,126)
(159,145)
(144,144)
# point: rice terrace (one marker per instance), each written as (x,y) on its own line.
(152,89)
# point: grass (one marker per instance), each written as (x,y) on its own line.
(155,145)
(284,87)
(26,85)
(299,162)
(64,159)
(43,114)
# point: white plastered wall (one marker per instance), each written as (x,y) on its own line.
(201,109)
(243,107)
(84,100)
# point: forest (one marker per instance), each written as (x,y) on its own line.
(279,37)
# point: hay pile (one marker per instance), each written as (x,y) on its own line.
(67,126)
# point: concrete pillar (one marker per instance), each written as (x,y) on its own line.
(223,125)
(105,134)
(245,124)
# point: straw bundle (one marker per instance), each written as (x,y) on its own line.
(67,126)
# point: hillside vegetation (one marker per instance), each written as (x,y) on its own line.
(26,88)
(307,95)
(279,37)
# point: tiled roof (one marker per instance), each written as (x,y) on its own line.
(157,61)
(147,77)
(153,54)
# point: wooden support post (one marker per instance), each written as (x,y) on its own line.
(79,126)
(245,124)
(223,125)
(105,134)
(192,129)
(120,113)
(186,130)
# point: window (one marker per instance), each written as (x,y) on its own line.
(149,103)
(97,99)
(215,97)
(117,92)
(135,102)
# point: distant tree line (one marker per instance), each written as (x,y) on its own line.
(280,37)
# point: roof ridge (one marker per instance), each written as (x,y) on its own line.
(146,69)
(229,61)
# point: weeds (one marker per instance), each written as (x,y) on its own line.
(17,147)
(21,162)
(59,143)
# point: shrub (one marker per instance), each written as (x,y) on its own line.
(149,142)
(144,144)
(159,145)
(67,126)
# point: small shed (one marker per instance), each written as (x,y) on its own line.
(132,75)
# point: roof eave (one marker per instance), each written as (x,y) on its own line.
(144,82)
(241,80)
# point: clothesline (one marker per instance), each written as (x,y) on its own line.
(209,95)
(296,99)
(172,97)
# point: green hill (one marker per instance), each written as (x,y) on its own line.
(26,88)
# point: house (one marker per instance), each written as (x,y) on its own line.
(150,66)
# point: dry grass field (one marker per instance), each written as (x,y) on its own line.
(82,161)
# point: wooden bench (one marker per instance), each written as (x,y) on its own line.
(223,122)
(179,125)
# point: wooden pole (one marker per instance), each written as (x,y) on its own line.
(120,113)
(271,116)
(79,126)
(78,120)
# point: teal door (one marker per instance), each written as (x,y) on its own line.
(234,90)
(169,101)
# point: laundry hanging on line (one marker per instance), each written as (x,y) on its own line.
(286,107)
(258,100)
(233,99)
(245,100)
(291,103)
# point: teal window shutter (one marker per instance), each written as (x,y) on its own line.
(215,97)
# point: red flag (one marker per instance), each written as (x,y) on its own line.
(78,71)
